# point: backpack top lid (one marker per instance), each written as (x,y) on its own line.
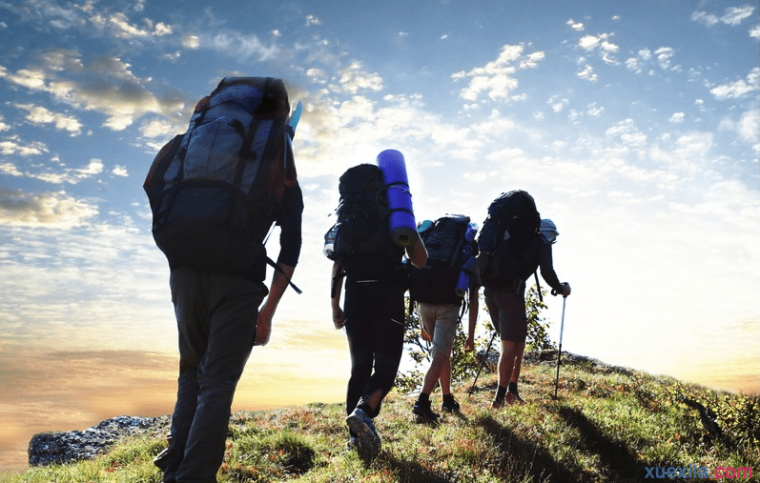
(358,178)
(549,230)
(266,97)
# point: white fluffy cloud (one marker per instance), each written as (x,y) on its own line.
(497,78)
(49,209)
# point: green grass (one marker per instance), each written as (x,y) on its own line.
(605,426)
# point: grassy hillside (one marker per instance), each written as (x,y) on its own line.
(607,425)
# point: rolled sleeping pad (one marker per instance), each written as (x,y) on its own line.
(403,227)
(463,283)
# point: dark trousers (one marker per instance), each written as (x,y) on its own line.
(216,319)
(375,331)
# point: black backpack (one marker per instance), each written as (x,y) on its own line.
(216,189)
(448,250)
(360,240)
(512,223)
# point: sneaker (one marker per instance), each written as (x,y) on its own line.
(497,403)
(367,441)
(514,398)
(422,409)
(449,404)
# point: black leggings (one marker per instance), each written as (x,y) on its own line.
(375,331)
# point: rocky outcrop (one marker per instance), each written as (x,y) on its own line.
(65,447)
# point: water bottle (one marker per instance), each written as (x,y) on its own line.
(329,248)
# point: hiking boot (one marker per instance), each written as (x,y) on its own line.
(497,403)
(449,404)
(367,441)
(422,409)
(514,398)
(168,461)
(351,445)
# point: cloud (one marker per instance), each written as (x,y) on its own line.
(749,127)
(239,46)
(69,175)
(731,16)
(497,78)
(754,32)
(10,169)
(664,56)
(102,84)
(120,171)
(577,26)
(739,88)
(587,73)
(122,29)
(48,209)
(735,15)
(191,42)
(677,118)
(14,146)
(627,134)
(162,128)
(354,78)
(41,115)
(312,20)
(705,18)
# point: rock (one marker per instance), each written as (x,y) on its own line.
(65,447)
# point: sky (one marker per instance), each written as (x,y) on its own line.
(634,124)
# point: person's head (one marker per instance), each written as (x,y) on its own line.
(549,230)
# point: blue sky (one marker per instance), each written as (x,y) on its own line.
(635,125)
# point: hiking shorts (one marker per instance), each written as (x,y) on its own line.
(507,311)
(440,321)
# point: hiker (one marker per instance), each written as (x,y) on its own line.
(440,291)
(373,311)
(217,287)
(514,243)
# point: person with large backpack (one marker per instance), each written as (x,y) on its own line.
(439,291)
(215,192)
(514,242)
(372,312)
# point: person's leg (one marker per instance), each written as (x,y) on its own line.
(388,338)
(513,329)
(233,308)
(362,357)
(428,315)
(494,312)
(445,377)
(447,319)
(190,303)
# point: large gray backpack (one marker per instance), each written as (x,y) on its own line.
(216,189)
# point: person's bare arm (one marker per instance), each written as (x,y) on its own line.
(417,252)
(336,289)
(279,284)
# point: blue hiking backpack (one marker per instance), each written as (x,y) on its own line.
(448,250)
(215,190)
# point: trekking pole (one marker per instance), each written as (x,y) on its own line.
(559,353)
(482,363)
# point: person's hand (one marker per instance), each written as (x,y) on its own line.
(425,336)
(469,344)
(263,329)
(566,289)
(339,319)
